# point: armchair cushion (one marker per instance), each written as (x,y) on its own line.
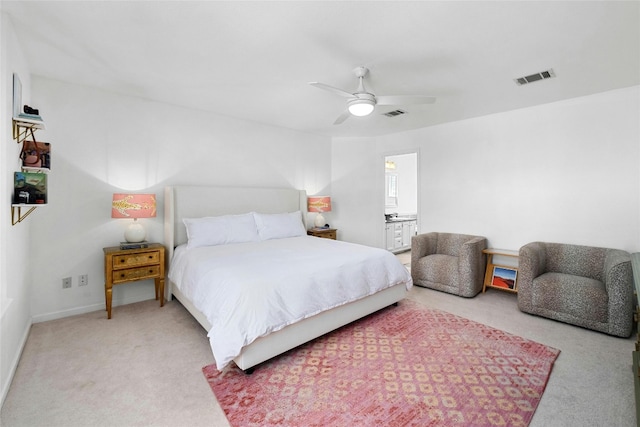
(438,268)
(448,262)
(581,285)
(571,297)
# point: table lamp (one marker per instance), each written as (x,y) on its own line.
(319,204)
(134,206)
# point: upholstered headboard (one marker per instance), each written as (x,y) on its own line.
(199,201)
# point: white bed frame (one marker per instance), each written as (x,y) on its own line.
(198,201)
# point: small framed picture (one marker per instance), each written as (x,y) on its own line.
(17,95)
(30,188)
(504,277)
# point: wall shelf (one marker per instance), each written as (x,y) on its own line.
(17,209)
(30,184)
(23,127)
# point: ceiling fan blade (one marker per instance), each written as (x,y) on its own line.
(404,100)
(342,117)
(332,89)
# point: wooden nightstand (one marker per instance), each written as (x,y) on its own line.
(129,265)
(326,233)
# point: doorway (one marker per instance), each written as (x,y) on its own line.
(401,200)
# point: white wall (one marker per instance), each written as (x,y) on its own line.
(104,143)
(15,289)
(564,172)
(357,190)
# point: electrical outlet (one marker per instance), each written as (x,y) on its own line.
(66,283)
(83,280)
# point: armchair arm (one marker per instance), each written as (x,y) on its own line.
(612,258)
(532,262)
(471,266)
(423,245)
(617,277)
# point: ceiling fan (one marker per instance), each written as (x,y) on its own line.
(362,102)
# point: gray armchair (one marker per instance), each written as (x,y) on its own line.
(449,262)
(581,285)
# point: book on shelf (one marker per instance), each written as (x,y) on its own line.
(29,118)
(137,245)
(26,116)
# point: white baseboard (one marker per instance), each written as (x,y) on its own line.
(14,363)
(85,309)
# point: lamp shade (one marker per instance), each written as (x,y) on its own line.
(319,204)
(133,206)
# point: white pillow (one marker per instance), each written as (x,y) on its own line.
(279,226)
(221,230)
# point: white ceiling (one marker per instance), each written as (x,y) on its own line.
(253,60)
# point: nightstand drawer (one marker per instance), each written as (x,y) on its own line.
(327,235)
(139,273)
(131,260)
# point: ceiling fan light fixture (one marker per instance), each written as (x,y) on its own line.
(361,107)
(362,103)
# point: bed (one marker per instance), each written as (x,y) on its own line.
(200,202)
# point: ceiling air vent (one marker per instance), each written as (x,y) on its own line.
(535,77)
(395,113)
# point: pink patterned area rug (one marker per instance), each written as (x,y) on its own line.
(402,366)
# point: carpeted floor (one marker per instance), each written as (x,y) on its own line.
(403,366)
(143,367)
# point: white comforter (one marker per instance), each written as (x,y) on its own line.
(248,290)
